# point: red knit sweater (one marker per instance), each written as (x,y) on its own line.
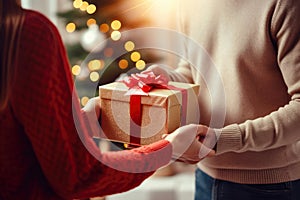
(41,154)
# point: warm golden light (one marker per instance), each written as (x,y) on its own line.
(84,6)
(91,9)
(115,25)
(76,70)
(123,64)
(140,65)
(90,21)
(77,3)
(70,27)
(129,46)
(94,76)
(94,65)
(135,56)
(84,101)
(115,35)
(104,28)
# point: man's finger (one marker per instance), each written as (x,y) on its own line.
(205,151)
(202,130)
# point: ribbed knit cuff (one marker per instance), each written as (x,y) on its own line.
(161,144)
(161,151)
(229,140)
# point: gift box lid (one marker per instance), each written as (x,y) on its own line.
(156,97)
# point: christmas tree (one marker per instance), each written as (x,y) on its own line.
(97,27)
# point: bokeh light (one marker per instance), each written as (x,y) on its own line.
(94,65)
(140,65)
(123,64)
(84,6)
(129,45)
(76,69)
(135,56)
(91,9)
(104,28)
(90,21)
(94,76)
(115,35)
(115,25)
(70,27)
(77,3)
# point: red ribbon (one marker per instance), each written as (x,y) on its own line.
(139,85)
(136,119)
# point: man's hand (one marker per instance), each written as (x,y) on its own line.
(187,146)
(158,70)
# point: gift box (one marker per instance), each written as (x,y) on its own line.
(132,116)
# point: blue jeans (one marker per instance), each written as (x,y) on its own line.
(208,188)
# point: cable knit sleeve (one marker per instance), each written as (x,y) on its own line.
(280,127)
(42,103)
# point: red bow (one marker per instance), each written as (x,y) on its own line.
(141,84)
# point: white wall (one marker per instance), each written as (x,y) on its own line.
(47,7)
(50,8)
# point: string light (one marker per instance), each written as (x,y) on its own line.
(115,25)
(84,6)
(115,35)
(76,70)
(90,21)
(94,65)
(140,65)
(77,3)
(94,76)
(129,45)
(70,27)
(123,64)
(91,9)
(135,56)
(104,28)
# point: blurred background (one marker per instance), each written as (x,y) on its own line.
(92,33)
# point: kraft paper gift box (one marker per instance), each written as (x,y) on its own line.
(161,112)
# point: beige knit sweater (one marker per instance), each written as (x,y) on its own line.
(245,54)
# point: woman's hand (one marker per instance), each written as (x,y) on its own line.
(91,114)
(187,146)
